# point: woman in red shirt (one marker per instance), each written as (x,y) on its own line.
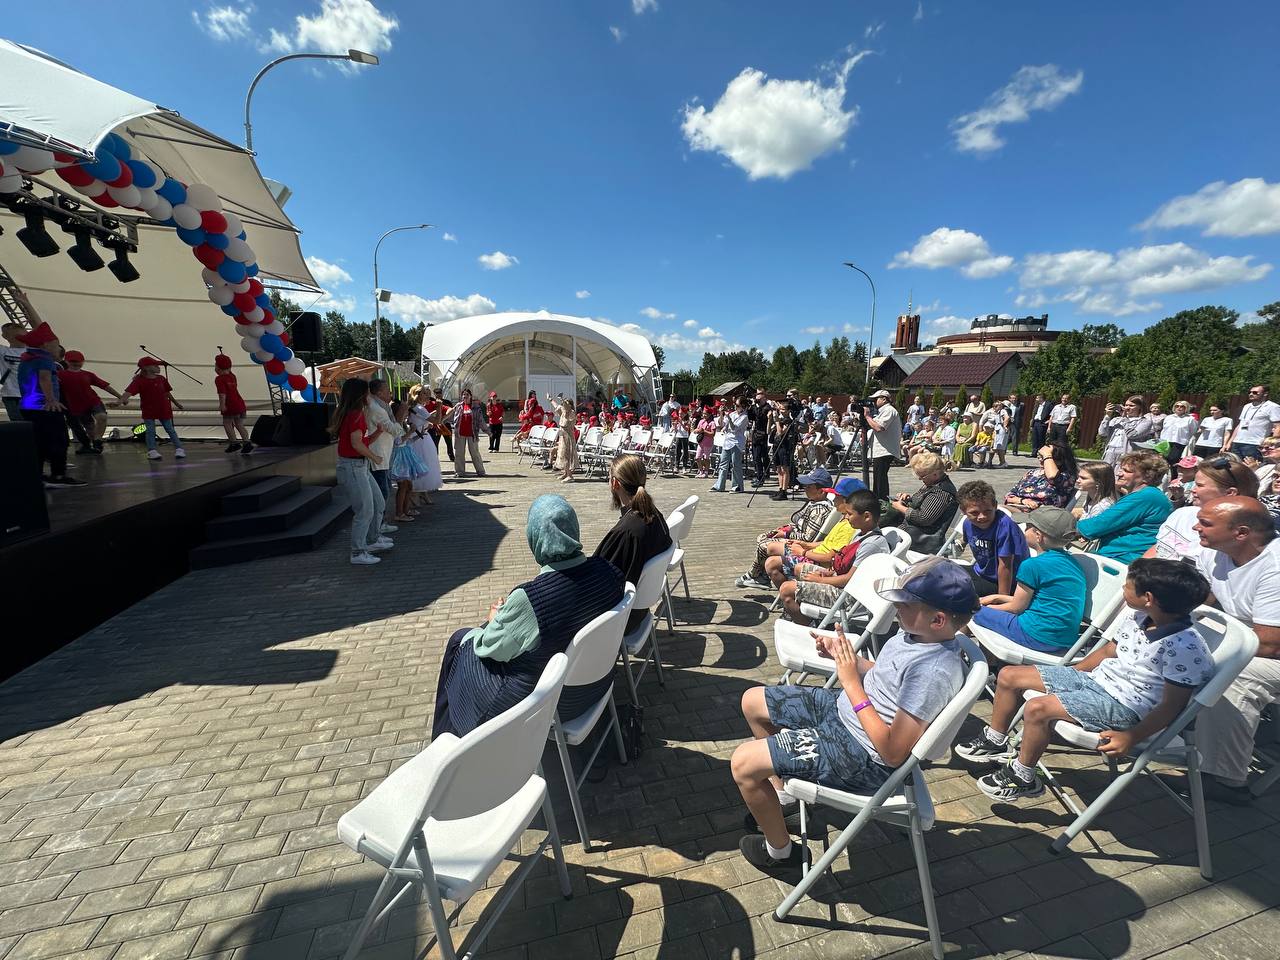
(355,475)
(231,405)
(495,411)
(157,405)
(464,419)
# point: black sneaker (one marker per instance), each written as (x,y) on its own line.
(84,451)
(792,820)
(97,446)
(64,481)
(232,447)
(753,849)
(1004,784)
(982,750)
(246,448)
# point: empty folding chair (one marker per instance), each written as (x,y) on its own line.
(530,442)
(661,453)
(794,644)
(592,656)
(903,800)
(678,523)
(1233,644)
(446,819)
(688,508)
(642,642)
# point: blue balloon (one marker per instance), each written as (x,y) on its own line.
(284,354)
(167,223)
(251,270)
(231,271)
(218,241)
(7,147)
(242,235)
(310,394)
(143,176)
(271,343)
(116,144)
(106,168)
(255,359)
(231,310)
(192,238)
(172,191)
(263,300)
(279,379)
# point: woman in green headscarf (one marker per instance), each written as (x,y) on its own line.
(490,668)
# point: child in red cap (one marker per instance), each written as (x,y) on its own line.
(85,411)
(231,405)
(157,405)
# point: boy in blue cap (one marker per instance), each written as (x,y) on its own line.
(852,738)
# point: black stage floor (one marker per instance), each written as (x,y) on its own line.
(125,534)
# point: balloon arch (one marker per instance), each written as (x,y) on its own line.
(115,177)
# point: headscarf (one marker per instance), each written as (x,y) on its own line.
(552,530)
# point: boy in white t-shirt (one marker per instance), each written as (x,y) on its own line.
(1126,691)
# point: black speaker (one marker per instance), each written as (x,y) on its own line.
(22,506)
(305,333)
(263,433)
(304,425)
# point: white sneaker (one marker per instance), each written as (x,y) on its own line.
(382,543)
(153,454)
(180,454)
(388,528)
(365,558)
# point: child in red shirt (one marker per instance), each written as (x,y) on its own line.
(157,405)
(494,411)
(85,411)
(231,405)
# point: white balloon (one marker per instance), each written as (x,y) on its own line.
(234,226)
(212,278)
(125,196)
(264,355)
(295,365)
(241,287)
(255,315)
(147,198)
(238,250)
(11,183)
(249,331)
(186,216)
(203,197)
(275,326)
(221,295)
(93,189)
(160,209)
(248,344)
(31,159)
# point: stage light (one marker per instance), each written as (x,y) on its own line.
(124,271)
(34,236)
(82,252)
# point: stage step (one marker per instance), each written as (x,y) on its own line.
(276,518)
(305,535)
(260,495)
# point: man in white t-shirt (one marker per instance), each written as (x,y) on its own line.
(1062,418)
(976,407)
(915,412)
(1256,418)
(886,441)
(1241,561)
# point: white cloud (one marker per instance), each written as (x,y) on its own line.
(1031,89)
(327,274)
(448,237)
(582,294)
(653,313)
(339,26)
(942,326)
(497,260)
(815,331)
(633,328)
(618,33)
(225,23)
(344,305)
(415,309)
(919,14)
(946,247)
(1246,208)
(690,324)
(708,332)
(771,127)
(643,6)
(873,30)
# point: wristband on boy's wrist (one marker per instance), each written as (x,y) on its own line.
(859,706)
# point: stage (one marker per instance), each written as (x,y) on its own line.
(126,534)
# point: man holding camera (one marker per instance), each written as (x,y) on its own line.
(758,413)
(886,440)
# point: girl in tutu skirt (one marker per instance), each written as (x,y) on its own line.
(406,466)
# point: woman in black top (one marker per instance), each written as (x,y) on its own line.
(640,533)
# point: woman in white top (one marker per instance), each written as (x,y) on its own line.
(1214,430)
(1178,429)
(1177,538)
(420,439)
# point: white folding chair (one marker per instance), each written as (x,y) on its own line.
(1233,644)
(531,442)
(642,642)
(678,524)
(793,643)
(833,517)
(609,447)
(449,816)
(547,445)
(592,656)
(899,541)
(688,509)
(903,800)
(661,452)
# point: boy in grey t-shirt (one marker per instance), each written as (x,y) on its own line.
(853,738)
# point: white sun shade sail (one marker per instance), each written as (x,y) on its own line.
(46,103)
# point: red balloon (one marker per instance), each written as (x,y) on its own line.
(61,157)
(268,315)
(299,382)
(255,288)
(267,319)
(209,256)
(244,302)
(104,199)
(274,366)
(76,176)
(124,180)
(284,338)
(213,221)
(245,322)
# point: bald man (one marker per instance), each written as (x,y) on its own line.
(1241,561)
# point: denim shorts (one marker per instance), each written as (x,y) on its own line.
(814,743)
(1085,700)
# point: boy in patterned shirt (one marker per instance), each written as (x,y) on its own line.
(1127,690)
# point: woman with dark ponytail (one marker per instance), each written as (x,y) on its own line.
(641,532)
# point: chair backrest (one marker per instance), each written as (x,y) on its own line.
(497,758)
(861,588)
(1233,644)
(593,437)
(833,517)
(635,429)
(678,524)
(653,578)
(611,442)
(535,433)
(936,739)
(594,650)
(549,435)
(641,438)
(665,440)
(690,504)
(899,540)
(1104,586)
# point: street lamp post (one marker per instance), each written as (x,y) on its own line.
(377,290)
(355,56)
(871,335)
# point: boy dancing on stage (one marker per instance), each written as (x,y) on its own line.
(85,412)
(231,405)
(157,405)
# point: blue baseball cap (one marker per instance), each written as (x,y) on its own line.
(935,582)
(818,475)
(845,486)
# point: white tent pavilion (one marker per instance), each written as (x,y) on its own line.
(45,103)
(512,353)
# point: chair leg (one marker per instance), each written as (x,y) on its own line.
(631,680)
(671,620)
(1091,812)
(444,940)
(776,600)
(1056,788)
(926,886)
(571,781)
(1266,781)
(653,649)
(1196,786)
(370,916)
(549,814)
(684,576)
(617,732)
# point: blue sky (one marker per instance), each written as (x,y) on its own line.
(702,168)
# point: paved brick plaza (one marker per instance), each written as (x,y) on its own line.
(170,783)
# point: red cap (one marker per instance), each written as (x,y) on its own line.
(148,362)
(74,356)
(595,421)
(39,336)
(493,393)
(222,361)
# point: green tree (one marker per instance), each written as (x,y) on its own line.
(1193,349)
(336,341)
(784,369)
(749,365)
(962,396)
(986,396)
(813,370)
(938,400)
(900,400)
(1102,334)
(659,355)
(1270,313)
(1070,364)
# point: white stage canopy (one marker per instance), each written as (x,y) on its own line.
(505,351)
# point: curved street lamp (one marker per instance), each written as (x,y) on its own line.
(871,334)
(355,56)
(378,292)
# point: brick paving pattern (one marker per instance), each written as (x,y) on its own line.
(171,782)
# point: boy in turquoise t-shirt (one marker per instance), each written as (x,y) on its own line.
(1047,605)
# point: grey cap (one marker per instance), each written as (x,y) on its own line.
(1054,521)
